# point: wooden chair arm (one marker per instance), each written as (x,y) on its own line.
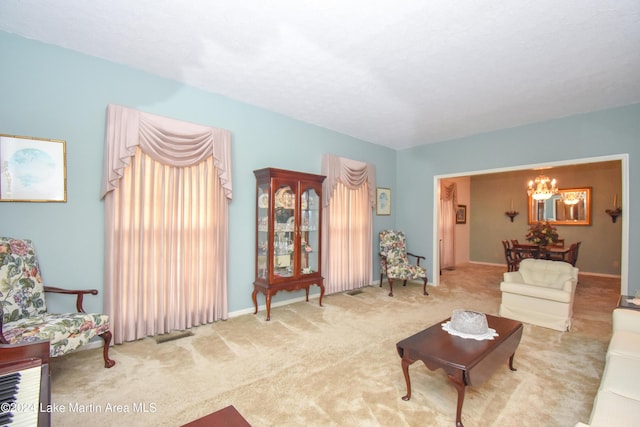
(383,260)
(418,257)
(79,293)
(3,340)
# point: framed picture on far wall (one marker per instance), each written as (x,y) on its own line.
(461,214)
(383,201)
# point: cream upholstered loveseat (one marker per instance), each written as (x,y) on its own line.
(617,402)
(541,292)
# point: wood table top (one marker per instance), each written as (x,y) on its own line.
(225,417)
(437,346)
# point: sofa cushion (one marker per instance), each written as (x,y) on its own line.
(542,292)
(622,376)
(66,332)
(617,402)
(613,410)
(546,273)
(625,319)
(625,343)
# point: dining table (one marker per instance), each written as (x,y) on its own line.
(528,250)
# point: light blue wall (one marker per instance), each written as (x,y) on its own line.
(604,133)
(49,92)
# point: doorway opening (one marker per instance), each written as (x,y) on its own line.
(623,158)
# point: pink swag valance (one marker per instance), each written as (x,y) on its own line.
(351,173)
(169,141)
(449,192)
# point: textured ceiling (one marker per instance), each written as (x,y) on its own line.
(396,73)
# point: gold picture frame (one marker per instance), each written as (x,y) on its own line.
(571,206)
(32,169)
(461,214)
(383,201)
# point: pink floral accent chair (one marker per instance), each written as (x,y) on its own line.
(24,310)
(394,261)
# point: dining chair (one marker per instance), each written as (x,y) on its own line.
(573,253)
(512,260)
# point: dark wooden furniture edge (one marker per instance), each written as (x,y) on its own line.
(33,350)
(270,290)
(462,376)
(225,417)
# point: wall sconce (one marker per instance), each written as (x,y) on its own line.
(511,213)
(616,211)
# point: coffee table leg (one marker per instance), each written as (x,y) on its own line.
(511,363)
(460,386)
(405,371)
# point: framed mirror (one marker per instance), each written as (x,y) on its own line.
(571,206)
(32,169)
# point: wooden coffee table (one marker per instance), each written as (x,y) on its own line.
(225,417)
(465,361)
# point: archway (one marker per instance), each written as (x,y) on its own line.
(623,158)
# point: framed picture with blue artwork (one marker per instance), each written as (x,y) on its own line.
(33,169)
(383,201)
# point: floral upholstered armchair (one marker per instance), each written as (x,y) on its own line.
(394,261)
(24,311)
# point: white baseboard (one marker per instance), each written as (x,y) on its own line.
(613,276)
(273,305)
(290,301)
(488,263)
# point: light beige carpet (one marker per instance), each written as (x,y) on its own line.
(337,365)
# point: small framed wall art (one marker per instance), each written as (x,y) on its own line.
(461,214)
(33,169)
(383,201)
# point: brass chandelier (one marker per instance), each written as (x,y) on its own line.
(542,188)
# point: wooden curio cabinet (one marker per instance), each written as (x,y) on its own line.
(288,230)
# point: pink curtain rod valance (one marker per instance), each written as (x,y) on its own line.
(449,191)
(351,173)
(169,141)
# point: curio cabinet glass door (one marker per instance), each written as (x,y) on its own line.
(288,243)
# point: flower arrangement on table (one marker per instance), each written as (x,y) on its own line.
(542,233)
